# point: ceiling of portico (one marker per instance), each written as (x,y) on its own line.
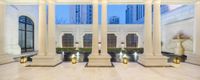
(28,2)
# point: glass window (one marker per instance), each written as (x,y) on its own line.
(68,41)
(112,40)
(131,40)
(87,39)
(26,34)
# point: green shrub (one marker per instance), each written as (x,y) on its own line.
(132,50)
(85,50)
(114,50)
(66,50)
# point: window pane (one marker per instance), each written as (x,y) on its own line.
(29,41)
(112,40)
(68,40)
(87,40)
(22,39)
(131,40)
(29,27)
(22,26)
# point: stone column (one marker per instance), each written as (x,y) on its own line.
(95,31)
(102,59)
(47,55)
(195,57)
(152,49)
(51,28)
(4,57)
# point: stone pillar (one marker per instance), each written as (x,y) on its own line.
(4,57)
(152,49)
(47,55)
(97,59)
(195,57)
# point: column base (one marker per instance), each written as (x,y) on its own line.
(193,58)
(45,61)
(6,58)
(153,61)
(99,61)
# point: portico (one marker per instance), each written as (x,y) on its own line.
(152,32)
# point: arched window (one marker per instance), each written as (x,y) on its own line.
(112,40)
(26,34)
(68,41)
(87,40)
(131,40)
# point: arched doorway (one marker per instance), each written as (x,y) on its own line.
(26,34)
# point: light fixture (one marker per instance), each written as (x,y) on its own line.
(177,60)
(77,56)
(135,56)
(23,59)
(125,59)
(73,59)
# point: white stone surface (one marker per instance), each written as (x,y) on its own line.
(68,71)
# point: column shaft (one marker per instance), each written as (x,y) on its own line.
(197,28)
(2,27)
(4,57)
(156,29)
(95,29)
(51,28)
(148,48)
(42,29)
(104,28)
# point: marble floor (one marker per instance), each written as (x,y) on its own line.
(68,71)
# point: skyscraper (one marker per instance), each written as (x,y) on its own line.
(134,14)
(114,20)
(80,14)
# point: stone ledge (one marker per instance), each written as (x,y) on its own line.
(153,61)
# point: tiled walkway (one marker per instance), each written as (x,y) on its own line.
(68,71)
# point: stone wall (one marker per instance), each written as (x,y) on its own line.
(178,20)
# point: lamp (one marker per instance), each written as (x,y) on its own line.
(176,60)
(23,59)
(73,59)
(125,59)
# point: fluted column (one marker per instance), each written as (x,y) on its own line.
(4,57)
(42,29)
(152,49)
(157,29)
(195,57)
(47,55)
(95,38)
(51,28)
(96,60)
(104,29)
(148,48)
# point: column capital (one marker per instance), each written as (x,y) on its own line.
(104,1)
(148,1)
(157,1)
(51,1)
(42,1)
(95,1)
(197,1)
(2,2)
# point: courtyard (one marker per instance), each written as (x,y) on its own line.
(68,71)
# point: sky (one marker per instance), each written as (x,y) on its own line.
(62,12)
